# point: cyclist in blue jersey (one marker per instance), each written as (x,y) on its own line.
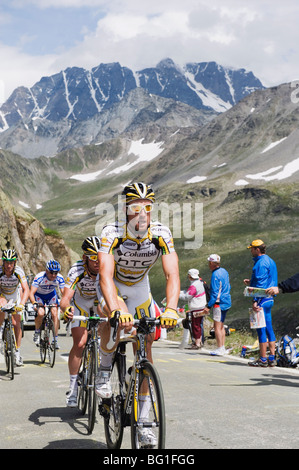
(44,292)
(220,301)
(264,275)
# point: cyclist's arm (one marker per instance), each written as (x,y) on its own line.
(106,273)
(170,266)
(66,298)
(33,290)
(25,292)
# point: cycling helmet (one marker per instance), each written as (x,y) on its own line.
(53,265)
(9,255)
(91,245)
(134,191)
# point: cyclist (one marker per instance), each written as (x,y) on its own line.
(127,253)
(13,286)
(78,298)
(43,291)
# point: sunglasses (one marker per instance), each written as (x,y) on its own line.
(137,208)
(92,257)
(54,273)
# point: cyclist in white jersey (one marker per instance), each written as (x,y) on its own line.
(78,298)
(13,286)
(43,291)
(126,255)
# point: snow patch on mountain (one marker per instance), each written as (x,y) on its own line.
(144,152)
(273,144)
(87,176)
(196,179)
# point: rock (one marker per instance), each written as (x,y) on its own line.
(26,234)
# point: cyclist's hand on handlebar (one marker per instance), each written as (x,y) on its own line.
(169,317)
(68,314)
(125,318)
(19,308)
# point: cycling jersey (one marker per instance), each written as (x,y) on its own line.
(85,296)
(78,279)
(134,257)
(9,285)
(46,286)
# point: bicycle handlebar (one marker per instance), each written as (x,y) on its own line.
(9,308)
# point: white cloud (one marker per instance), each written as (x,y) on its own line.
(258,36)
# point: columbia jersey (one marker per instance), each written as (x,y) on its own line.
(9,285)
(134,257)
(78,279)
(46,286)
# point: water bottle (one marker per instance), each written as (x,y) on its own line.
(243,352)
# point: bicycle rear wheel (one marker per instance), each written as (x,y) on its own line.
(82,382)
(148,424)
(92,398)
(113,420)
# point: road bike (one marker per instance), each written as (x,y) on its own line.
(9,339)
(47,336)
(87,398)
(139,402)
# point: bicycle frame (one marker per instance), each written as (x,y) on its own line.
(88,369)
(123,409)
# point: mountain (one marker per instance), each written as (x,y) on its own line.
(78,107)
(242,165)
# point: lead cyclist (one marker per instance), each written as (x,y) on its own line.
(127,253)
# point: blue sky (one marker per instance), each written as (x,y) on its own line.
(42,37)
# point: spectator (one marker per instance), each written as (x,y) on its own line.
(220,300)
(286,287)
(264,275)
(195,295)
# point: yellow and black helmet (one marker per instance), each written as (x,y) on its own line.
(9,255)
(91,245)
(134,191)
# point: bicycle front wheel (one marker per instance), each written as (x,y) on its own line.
(43,342)
(51,343)
(148,424)
(9,350)
(113,420)
(82,382)
(92,398)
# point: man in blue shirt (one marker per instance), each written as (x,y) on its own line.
(220,300)
(264,275)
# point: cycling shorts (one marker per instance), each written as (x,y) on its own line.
(138,298)
(47,299)
(82,307)
(266,334)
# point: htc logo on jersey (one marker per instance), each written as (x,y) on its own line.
(135,262)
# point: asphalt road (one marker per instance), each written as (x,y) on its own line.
(211,403)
